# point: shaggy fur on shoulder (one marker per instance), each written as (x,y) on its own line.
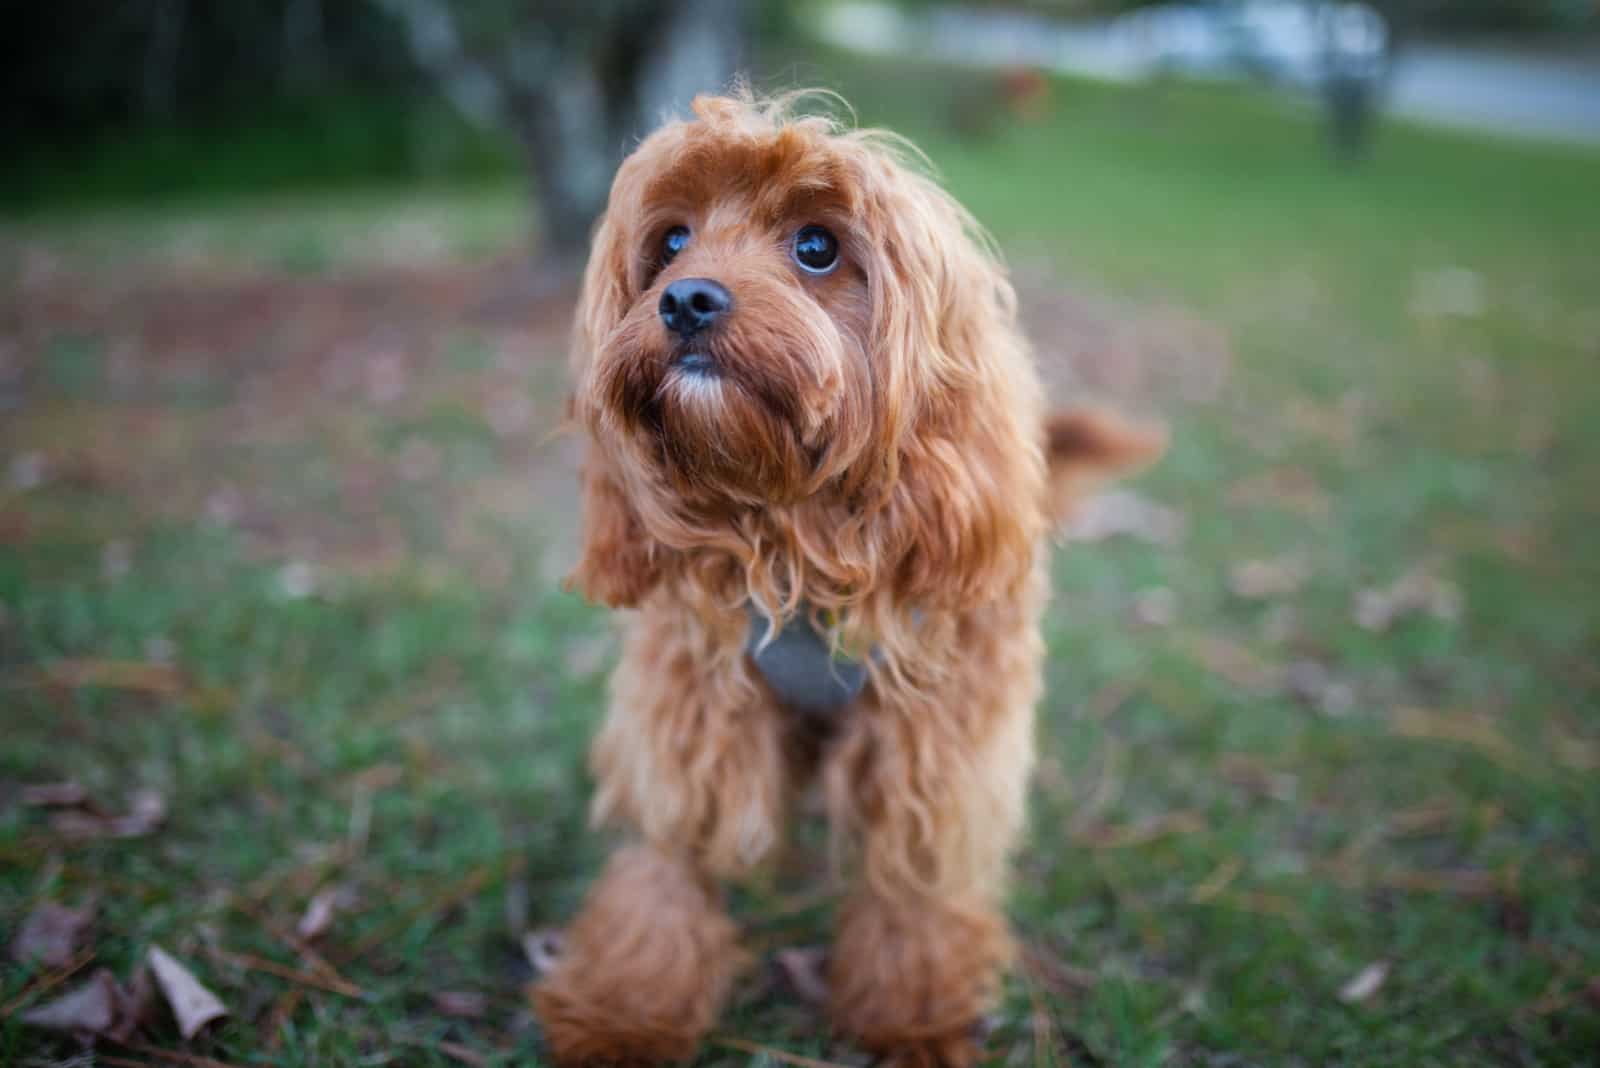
(861,449)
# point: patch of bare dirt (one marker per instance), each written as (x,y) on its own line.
(382,417)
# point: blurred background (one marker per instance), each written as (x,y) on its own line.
(288,687)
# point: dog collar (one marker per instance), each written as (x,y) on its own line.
(801,666)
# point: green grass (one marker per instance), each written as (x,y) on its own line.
(1213,855)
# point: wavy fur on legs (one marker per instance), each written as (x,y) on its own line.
(912,977)
(644,969)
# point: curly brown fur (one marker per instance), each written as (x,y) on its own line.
(644,969)
(871,453)
(913,978)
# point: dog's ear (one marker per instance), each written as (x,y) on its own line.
(619,563)
(604,298)
(1085,447)
(961,395)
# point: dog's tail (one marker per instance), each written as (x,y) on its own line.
(1086,447)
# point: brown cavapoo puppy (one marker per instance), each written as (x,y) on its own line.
(821,475)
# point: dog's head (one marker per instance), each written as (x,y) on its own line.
(795,346)
(771,301)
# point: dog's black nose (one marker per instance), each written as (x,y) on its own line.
(690,305)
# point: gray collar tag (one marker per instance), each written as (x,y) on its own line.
(800,666)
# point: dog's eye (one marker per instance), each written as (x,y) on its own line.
(816,249)
(673,242)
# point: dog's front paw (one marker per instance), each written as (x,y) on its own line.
(579,1031)
(643,970)
(913,979)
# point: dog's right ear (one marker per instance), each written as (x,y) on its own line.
(619,564)
(1085,447)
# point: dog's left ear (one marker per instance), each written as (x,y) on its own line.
(961,412)
(619,564)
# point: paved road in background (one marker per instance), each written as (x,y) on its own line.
(1551,94)
(1500,91)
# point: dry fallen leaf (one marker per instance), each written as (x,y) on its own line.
(1107,515)
(805,970)
(1412,593)
(543,949)
(1056,975)
(147,810)
(1480,731)
(464,1003)
(136,1005)
(1364,983)
(1155,607)
(55,794)
(137,676)
(1316,685)
(192,1004)
(50,934)
(90,1009)
(319,914)
(1236,662)
(1255,580)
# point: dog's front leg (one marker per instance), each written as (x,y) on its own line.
(690,761)
(933,797)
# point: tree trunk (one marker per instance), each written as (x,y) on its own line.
(577,83)
(578,129)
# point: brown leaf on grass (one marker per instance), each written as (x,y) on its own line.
(1464,728)
(67,794)
(50,934)
(157,680)
(88,1010)
(1218,881)
(1235,662)
(1290,489)
(1414,593)
(806,972)
(1256,580)
(1430,817)
(1252,774)
(1123,512)
(467,1004)
(192,1004)
(1055,974)
(1313,683)
(1364,983)
(1166,825)
(136,1005)
(1155,607)
(319,914)
(463,1054)
(147,810)
(543,949)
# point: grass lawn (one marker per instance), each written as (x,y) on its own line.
(281,525)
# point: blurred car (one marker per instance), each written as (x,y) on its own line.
(1298,42)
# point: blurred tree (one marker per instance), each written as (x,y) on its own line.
(72,68)
(574,80)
